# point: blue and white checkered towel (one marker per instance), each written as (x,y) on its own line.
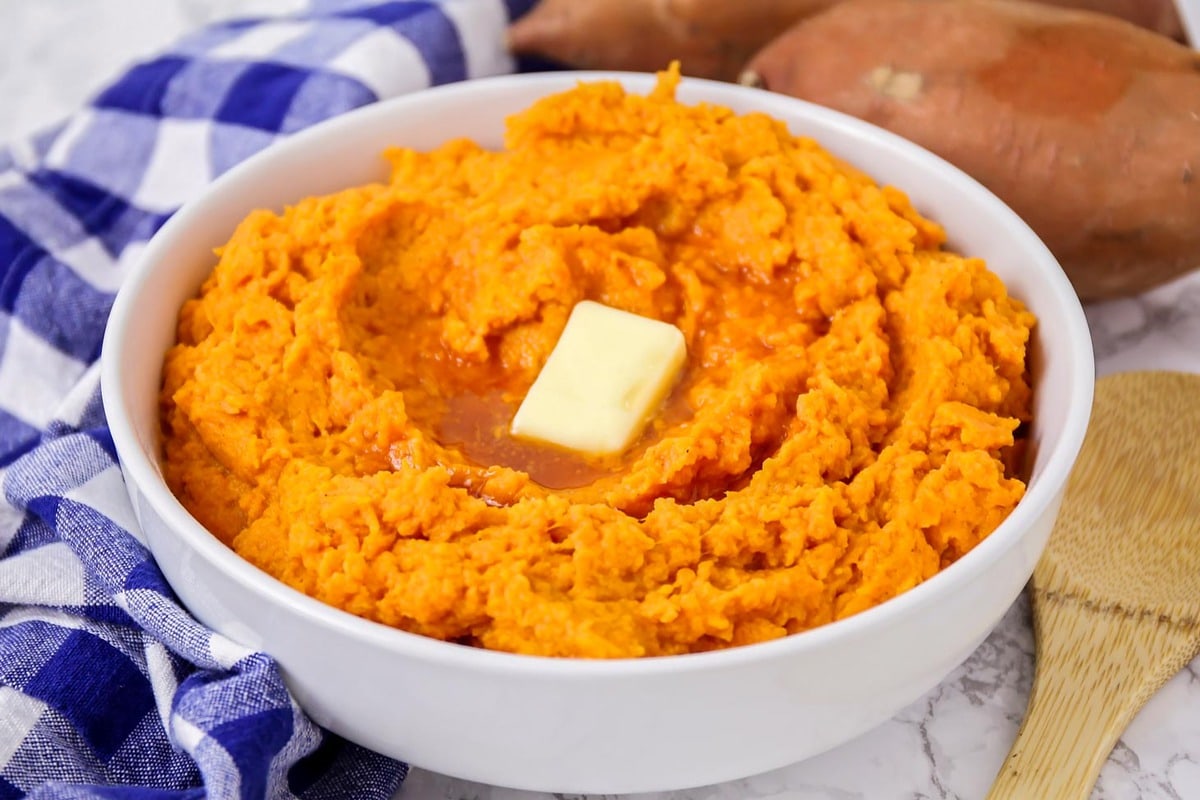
(108,689)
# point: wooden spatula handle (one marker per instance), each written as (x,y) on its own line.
(1096,667)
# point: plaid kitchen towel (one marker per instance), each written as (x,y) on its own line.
(108,689)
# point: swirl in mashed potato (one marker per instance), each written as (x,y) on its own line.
(336,407)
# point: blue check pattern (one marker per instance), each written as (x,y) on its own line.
(108,688)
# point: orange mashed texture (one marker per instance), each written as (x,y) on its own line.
(336,407)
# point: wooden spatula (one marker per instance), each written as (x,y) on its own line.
(1116,596)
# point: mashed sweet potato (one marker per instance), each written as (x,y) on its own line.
(337,404)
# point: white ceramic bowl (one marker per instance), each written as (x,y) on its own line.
(576,725)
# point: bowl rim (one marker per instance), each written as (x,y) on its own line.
(137,465)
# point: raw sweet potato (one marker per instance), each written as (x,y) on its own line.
(712,38)
(1087,126)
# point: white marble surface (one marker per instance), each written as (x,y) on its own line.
(948,744)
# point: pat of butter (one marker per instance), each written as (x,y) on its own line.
(603,381)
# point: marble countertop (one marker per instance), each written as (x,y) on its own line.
(948,744)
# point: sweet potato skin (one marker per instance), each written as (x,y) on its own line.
(1087,126)
(713,38)
(710,38)
(1154,15)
